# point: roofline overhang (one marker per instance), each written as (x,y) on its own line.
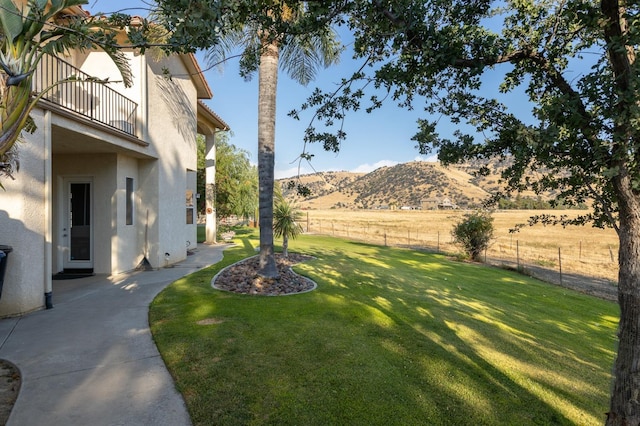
(77,10)
(202,87)
(208,121)
(203,91)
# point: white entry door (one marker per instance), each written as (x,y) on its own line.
(77,232)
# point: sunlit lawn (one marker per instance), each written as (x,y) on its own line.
(202,233)
(390,337)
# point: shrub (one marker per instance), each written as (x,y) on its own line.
(474,233)
(286,217)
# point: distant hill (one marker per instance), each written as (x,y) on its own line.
(403,185)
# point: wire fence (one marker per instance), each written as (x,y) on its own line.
(557,261)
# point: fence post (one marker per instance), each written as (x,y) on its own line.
(385,238)
(560,264)
(580,252)
(438,250)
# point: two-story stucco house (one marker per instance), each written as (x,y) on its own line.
(108,180)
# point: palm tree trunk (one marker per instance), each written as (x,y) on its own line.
(285,245)
(268,82)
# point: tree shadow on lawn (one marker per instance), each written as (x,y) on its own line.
(492,342)
(392,336)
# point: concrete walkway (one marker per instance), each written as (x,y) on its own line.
(91,359)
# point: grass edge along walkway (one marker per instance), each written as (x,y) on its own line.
(390,337)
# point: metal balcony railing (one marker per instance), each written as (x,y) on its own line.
(85,96)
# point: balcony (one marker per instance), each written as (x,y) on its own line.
(89,98)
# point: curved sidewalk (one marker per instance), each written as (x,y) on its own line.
(91,359)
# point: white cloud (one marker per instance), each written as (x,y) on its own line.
(291,172)
(366,168)
(430,158)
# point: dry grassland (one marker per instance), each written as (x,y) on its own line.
(580,250)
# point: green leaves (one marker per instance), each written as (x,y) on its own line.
(526,80)
(474,233)
(236,180)
(285,219)
(23,42)
(197,24)
(11,19)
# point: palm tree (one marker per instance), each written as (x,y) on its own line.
(286,217)
(300,56)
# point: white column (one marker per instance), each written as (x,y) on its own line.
(210,188)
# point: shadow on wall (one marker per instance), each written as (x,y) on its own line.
(181,110)
(17,295)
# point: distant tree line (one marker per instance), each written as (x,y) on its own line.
(236,180)
(537,203)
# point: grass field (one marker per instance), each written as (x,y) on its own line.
(577,249)
(390,337)
(201,233)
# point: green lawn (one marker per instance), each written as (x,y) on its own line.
(202,233)
(390,337)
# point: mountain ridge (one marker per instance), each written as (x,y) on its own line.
(409,185)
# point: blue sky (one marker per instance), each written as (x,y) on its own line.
(374,140)
(382,138)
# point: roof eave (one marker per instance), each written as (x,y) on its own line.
(202,87)
(206,116)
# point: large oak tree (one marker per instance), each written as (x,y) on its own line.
(575,61)
(570,63)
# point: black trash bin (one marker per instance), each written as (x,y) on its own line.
(4,256)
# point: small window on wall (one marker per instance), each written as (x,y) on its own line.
(190,209)
(129,202)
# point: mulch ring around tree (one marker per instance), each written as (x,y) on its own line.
(243,277)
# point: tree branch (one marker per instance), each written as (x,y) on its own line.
(615,30)
(392,17)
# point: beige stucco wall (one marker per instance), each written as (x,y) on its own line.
(172,129)
(167,121)
(191,231)
(118,247)
(126,250)
(147,196)
(100,170)
(24,225)
(32,207)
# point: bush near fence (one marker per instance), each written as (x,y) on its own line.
(586,251)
